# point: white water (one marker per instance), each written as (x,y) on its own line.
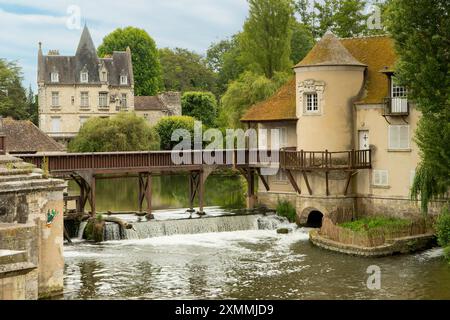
(152,229)
(81,229)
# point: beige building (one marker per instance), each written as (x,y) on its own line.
(344,97)
(72,89)
(153,108)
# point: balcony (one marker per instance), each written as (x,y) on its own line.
(396,107)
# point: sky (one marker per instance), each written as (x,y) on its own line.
(191,24)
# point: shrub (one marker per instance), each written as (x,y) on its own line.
(166,126)
(124,132)
(286,209)
(443,228)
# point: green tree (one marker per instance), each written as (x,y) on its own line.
(249,89)
(200,105)
(124,132)
(421,30)
(13,100)
(224,58)
(301,43)
(266,39)
(144,55)
(32,106)
(184,70)
(167,125)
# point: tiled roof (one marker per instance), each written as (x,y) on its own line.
(281,106)
(22,136)
(70,67)
(376,52)
(144,103)
(329,51)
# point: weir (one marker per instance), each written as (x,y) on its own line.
(228,223)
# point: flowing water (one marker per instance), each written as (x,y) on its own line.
(192,259)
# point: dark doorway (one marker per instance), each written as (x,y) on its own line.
(314,219)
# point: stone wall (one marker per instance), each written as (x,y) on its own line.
(25,199)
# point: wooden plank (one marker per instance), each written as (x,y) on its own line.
(263,179)
(327,182)
(349,179)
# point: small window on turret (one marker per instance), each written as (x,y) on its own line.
(312,103)
(123,80)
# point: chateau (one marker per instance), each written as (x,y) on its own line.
(344,97)
(72,89)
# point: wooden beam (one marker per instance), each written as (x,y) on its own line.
(293,182)
(263,179)
(200,193)
(148,196)
(347,185)
(307,183)
(327,183)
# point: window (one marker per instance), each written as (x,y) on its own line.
(398,91)
(84,100)
(104,76)
(83,120)
(84,77)
(103,99)
(54,77)
(380,178)
(282,138)
(312,103)
(123,101)
(262,139)
(55,99)
(56,124)
(123,80)
(399,137)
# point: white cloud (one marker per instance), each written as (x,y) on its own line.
(191,24)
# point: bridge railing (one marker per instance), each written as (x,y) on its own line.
(325,160)
(63,162)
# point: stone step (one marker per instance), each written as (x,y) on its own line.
(12,256)
(20,177)
(11,172)
(34,184)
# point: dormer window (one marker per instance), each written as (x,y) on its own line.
(54,77)
(104,76)
(123,80)
(84,77)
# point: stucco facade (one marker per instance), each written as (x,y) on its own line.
(343,91)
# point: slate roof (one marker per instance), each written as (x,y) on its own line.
(376,52)
(70,67)
(22,136)
(147,103)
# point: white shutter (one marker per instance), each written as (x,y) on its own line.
(380,178)
(262,139)
(404,137)
(56,125)
(399,137)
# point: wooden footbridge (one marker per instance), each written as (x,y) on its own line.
(85,168)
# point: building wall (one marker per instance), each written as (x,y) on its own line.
(70,110)
(152,116)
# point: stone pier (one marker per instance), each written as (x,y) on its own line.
(31,232)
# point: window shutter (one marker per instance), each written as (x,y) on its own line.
(404,137)
(262,139)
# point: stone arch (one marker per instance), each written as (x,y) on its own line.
(312,217)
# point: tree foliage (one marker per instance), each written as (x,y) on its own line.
(421,30)
(13,99)
(301,43)
(184,70)
(167,125)
(124,132)
(266,39)
(201,106)
(249,89)
(144,55)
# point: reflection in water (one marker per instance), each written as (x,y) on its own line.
(167,192)
(254,264)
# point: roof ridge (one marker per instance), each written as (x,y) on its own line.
(386,35)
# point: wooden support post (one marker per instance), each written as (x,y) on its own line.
(307,183)
(250,176)
(148,197)
(140,195)
(327,183)
(93,197)
(191,192)
(349,179)
(200,194)
(293,182)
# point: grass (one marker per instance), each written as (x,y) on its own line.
(372,223)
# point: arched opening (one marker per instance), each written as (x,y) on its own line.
(314,219)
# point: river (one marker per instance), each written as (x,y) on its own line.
(250,264)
